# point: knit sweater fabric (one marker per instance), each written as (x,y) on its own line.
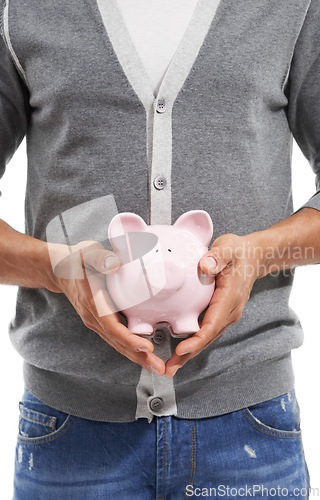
(243,82)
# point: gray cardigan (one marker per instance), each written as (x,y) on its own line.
(243,82)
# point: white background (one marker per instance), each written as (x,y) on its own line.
(304,300)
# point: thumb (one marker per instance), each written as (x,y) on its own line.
(103,260)
(212,263)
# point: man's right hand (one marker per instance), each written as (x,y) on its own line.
(79,272)
(80,275)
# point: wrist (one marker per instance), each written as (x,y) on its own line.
(257,255)
(59,264)
(267,246)
(290,243)
(34,256)
(24,260)
(43,261)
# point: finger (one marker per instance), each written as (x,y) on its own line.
(124,337)
(99,299)
(208,333)
(150,362)
(212,262)
(109,327)
(69,262)
(147,360)
(102,260)
(141,355)
(137,353)
(93,304)
(175,362)
(220,255)
(209,264)
(217,317)
(105,313)
(99,305)
(136,344)
(132,344)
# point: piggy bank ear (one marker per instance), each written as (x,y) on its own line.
(197,222)
(129,238)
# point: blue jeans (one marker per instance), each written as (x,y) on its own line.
(253,452)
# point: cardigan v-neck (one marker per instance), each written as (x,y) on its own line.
(217,137)
(156,29)
(159,125)
(181,63)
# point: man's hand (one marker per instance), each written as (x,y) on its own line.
(79,272)
(236,270)
(237,262)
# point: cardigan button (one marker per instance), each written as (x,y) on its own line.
(160,182)
(161,106)
(156,404)
(159,336)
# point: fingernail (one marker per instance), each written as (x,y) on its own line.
(142,349)
(152,369)
(111,262)
(210,262)
(183,353)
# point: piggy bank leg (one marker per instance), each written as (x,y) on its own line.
(137,326)
(185,324)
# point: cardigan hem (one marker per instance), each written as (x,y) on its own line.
(208,397)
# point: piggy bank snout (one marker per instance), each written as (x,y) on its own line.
(165,276)
(174,275)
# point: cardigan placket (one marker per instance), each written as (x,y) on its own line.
(158,109)
(158,124)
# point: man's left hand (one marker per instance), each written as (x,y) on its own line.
(232,259)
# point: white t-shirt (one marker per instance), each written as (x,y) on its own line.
(156,28)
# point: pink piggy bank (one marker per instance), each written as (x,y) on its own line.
(159,281)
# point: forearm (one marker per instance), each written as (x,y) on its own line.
(24,260)
(293,242)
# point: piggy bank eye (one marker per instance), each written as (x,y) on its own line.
(169,250)
(157,250)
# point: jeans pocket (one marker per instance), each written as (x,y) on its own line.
(34,423)
(279,416)
(39,422)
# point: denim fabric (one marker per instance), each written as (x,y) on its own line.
(254,452)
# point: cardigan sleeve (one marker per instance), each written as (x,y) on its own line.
(14,108)
(303,93)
